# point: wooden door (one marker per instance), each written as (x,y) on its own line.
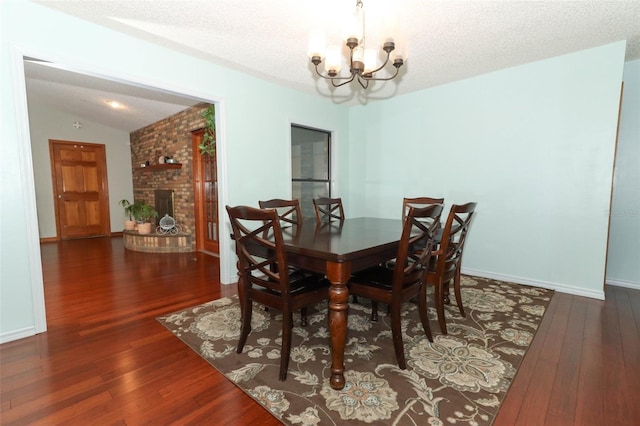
(205,181)
(80,189)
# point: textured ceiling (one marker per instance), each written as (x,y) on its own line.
(86,97)
(448,40)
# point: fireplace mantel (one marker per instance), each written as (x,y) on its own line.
(159,167)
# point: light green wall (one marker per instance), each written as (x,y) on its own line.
(254,133)
(46,122)
(533,145)
(623,261)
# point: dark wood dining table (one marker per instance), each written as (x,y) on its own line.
(338,249)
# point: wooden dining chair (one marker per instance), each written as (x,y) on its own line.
(261,258)
(406,204)
(448,259)
(288,210)
(328,209)
(406,280)
(418,202)
(423,202)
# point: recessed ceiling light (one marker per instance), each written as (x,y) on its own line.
(114,104)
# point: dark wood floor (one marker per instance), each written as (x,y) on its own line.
(106,360)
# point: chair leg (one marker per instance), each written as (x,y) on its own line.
(424,316)
(374,311)
(445,293)
(458,292)
(303,316)
(245,327)
(439,297)
(396,332)
(285,350)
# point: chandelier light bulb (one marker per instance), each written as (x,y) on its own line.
(317,44)
(355,24)
(401,50)
(333,60)
(370,56)
(389,30)
(358,54)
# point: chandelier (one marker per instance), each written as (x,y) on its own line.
(362,61)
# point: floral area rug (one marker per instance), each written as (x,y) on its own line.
(460,378)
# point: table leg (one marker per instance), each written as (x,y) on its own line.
(338,274)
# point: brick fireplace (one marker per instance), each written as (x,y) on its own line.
(170,137)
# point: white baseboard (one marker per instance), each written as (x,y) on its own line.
(562,288)
(21,333)
(623,283)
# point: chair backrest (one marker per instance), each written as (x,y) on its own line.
(454,235)
(418,202)
(328,209)
(260,248)
(416,243)
(288,210)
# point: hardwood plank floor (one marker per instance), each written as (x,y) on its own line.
(106,360)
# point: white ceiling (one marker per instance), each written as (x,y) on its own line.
(86,97)
(448,41)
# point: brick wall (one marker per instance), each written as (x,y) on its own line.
(169,137)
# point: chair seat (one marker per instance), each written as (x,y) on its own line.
(377,283)
(377,276)
(299,283)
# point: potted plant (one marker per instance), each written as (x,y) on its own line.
(143,212)
(130,223)
(208,144)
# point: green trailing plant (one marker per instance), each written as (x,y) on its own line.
(208,144)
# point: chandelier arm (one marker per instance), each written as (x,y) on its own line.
(384,78)
(364,82)
(327,77)
(344,82)
(381,66)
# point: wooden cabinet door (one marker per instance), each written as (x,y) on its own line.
(80,189)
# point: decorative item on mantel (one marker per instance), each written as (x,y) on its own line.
(165,159)
(168,226)
(208,144)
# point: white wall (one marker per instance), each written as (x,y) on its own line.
(623,261)
(533,145)
(47,122)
